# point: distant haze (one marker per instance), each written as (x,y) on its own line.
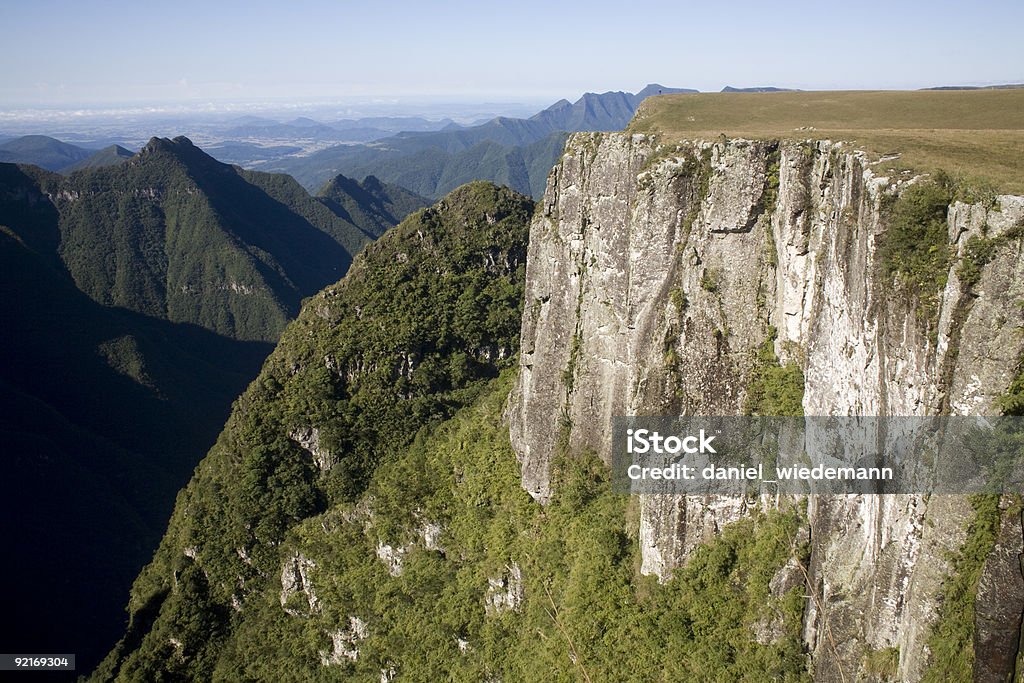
(61,53)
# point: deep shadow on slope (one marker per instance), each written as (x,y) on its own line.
(101,414)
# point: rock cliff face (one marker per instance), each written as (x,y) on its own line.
(656,272)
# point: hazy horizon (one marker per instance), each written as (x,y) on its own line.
(68,55)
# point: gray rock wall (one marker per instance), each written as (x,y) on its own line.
(654,274)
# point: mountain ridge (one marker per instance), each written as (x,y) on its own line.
(275,244)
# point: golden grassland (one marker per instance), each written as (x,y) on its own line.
(974,135)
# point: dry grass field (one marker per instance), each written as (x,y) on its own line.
(974,135)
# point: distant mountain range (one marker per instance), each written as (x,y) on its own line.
(137,301)
(1007,86)
(514,152)
(762,88)
(343,130)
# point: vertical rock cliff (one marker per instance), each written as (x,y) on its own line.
(658,274)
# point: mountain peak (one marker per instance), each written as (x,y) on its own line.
(304,122)
(560,104)
(157,144)
(181,150)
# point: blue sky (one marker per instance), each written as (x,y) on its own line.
(58,53)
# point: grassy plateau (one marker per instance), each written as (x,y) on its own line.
(977,135)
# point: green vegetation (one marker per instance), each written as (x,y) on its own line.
(711,279)
(979,251)
(124,356)
(575,348)
(569,374)
(426,316)
(952,638)
(1012,402)
(108,156)
(699,169)
(679,301)
(883,663)
(978,135)
(775,390)
(578,609)
(914,250)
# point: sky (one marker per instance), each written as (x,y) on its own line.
(58,53)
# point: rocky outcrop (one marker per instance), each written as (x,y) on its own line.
(309,439)
(505,592)
(295,581)
(392,557)
(344,643)
(656,272)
